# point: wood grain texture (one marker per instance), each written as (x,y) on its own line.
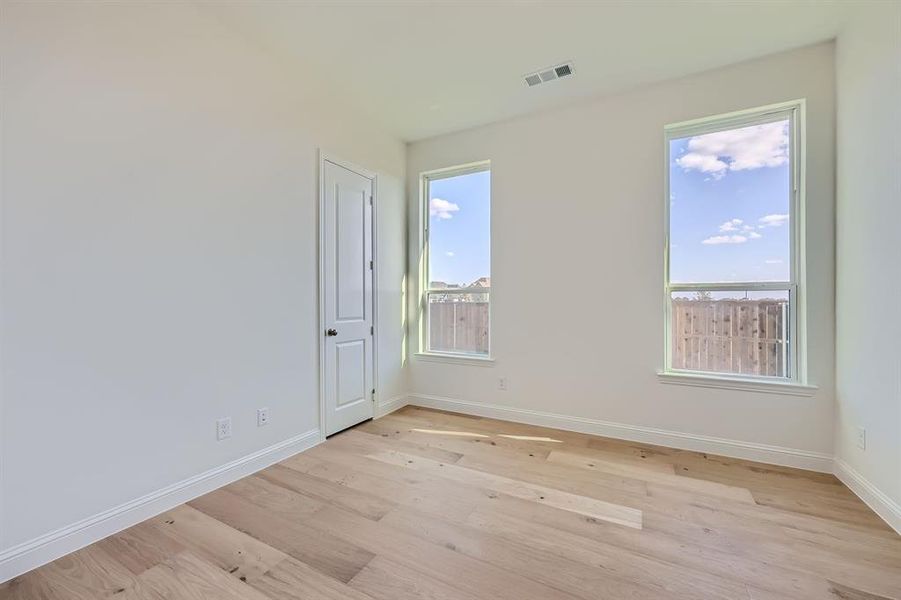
(590,507)
(430,505)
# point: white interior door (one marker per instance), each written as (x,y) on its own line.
(348,308)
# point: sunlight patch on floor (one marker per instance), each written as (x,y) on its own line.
(530,438)
(454,433)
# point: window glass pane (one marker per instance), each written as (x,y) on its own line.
(460,230)
(730,199)
(458,323)
(744,332)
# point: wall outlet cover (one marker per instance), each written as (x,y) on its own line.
(223,428)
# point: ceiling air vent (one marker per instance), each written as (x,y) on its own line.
(549,74)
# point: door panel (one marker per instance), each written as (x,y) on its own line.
(350,219)
(350,358)
(346,247)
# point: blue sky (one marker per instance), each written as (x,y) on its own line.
(729,206)
(729,209)
(460,228)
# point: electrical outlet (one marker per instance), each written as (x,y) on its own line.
(502,383)
(861,438)
(262,417)
(224,428)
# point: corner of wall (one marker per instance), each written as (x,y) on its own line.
(868,358)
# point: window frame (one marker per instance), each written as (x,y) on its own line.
(425,292)
(795,112)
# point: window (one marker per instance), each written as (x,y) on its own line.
(732,252)
(457,261)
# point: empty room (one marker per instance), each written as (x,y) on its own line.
(450,300)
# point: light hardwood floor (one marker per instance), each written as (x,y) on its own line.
(431,505)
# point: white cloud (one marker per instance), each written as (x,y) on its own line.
(449,253)
(731,225)
(736,232)
(705,163)
(741,149)
(442,208)
(725,239)
(773,261)
(773,220)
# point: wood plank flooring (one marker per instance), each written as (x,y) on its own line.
(430,505)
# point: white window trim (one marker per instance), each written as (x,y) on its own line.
(424,353)
(741,383)
(797,383)
(475,360)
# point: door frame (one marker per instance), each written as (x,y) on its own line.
(324,157)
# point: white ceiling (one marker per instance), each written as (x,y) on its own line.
(422,68)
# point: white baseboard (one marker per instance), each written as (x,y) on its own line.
(389,406)
(39,551)
(775,455)
(876,499)
(46,548)
(882,505)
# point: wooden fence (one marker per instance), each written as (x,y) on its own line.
(730,336)
(458,327)
(727,336)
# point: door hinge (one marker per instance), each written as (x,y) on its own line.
(370,265)
(372,330)
(373,394)
(370,200)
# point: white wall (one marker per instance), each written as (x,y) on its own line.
(577,225)
(868,352)
(159,252)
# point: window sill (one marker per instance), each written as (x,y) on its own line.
(455,359)
(724,382)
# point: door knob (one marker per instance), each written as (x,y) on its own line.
(331,332)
